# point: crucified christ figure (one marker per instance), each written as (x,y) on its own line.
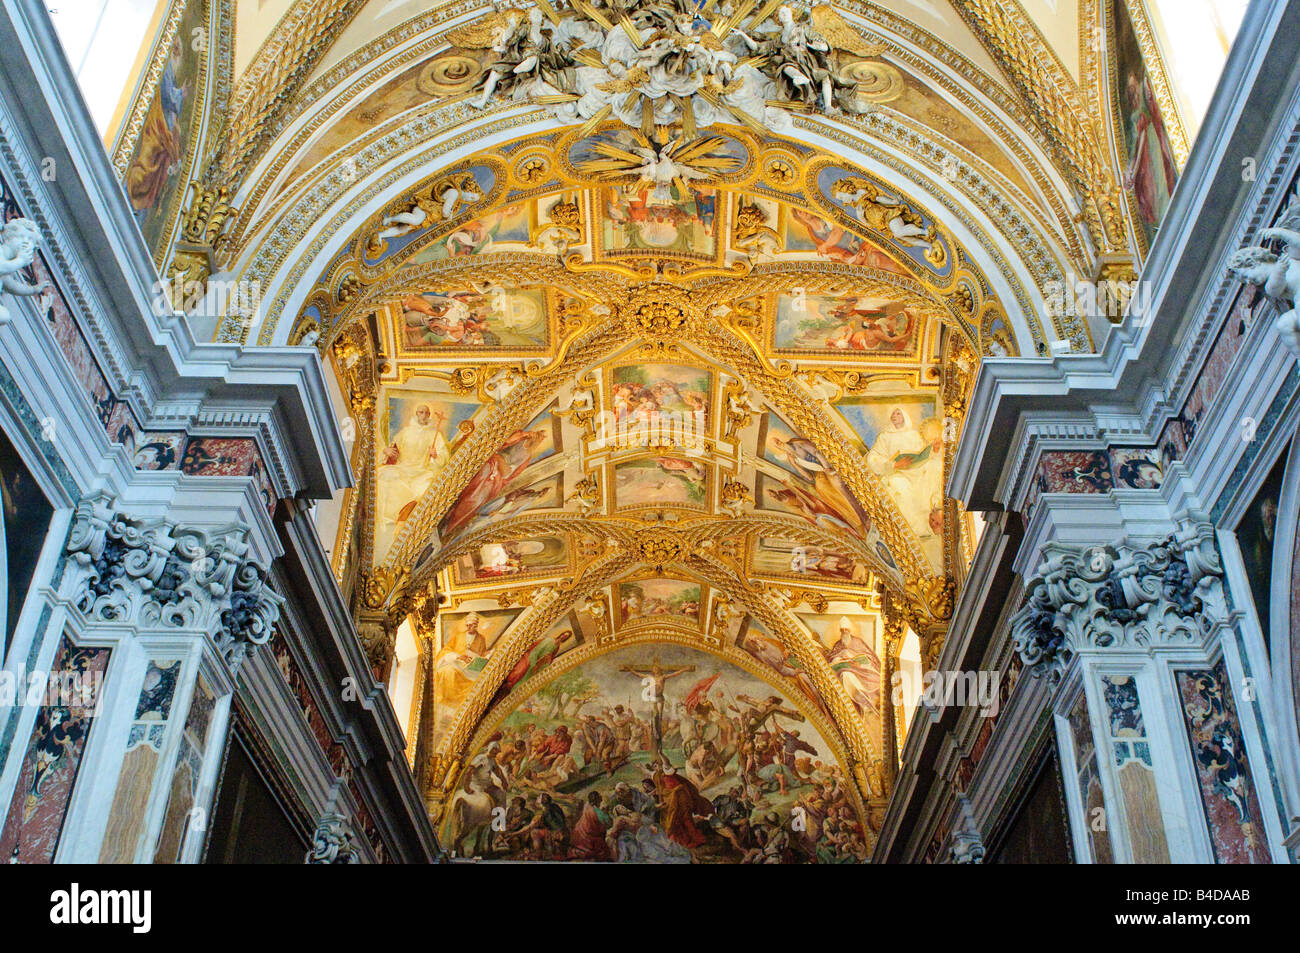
(653,681)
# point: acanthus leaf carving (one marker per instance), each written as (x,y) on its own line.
(157,575)
(1127,596)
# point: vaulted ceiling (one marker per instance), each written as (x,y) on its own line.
(674,384)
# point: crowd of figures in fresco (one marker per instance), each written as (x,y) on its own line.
(666,760)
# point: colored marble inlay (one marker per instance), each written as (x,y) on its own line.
(1232,808)
(39,806)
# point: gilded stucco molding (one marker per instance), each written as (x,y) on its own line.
(782,391)
(345,85)
(1058,107)
(697,533)
(273,78)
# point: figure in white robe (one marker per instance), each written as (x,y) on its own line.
(409,465)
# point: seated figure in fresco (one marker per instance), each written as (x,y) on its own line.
(858,667)
(909,461)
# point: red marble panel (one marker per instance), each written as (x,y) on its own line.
(1227,785)
(36,814)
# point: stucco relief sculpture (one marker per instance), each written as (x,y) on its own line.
(668,64)
(1277,275)
(18,241)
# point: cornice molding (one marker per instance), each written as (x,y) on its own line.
(1129,388)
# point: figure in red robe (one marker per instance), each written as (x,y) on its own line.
(681,801)
(502,467)
(587,841)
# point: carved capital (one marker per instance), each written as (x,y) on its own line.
(333,842)
(154,574)
(967,844)
(1169,593)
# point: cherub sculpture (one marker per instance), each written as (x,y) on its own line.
(1278,276)
(18,241)
(440,202)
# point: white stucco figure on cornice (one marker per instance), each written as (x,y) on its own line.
(1277,275)
(18,241)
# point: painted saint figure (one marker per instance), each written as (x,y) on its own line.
(493,477)
(858,667)
(1151,172)
(409,464)
(161,142)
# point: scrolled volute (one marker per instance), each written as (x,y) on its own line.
(153,574)
(1167,593)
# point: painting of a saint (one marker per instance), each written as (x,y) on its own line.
(545,493)
(467,639)
(905,449)
(809,485)
(753,637)
(823,322)
(636,221)
(467,319)
(161,139)
(157,167)
(1255,535)
(479,236)
(26,519)
(1151,171)
(511,558)
(540,654)
(414,455)
(511,459)
(782,557)
(848,644)
(655,754)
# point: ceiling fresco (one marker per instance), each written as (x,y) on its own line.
(702,421)
(655,325)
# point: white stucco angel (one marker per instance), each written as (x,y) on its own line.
(441,202)
(803,55)
(504,33)
(1278,276)
(18,241)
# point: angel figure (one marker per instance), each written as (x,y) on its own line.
(546,64)
(876,209)
(1277,276)
(804,58)
(504,33)
(18,241)
(442,201)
